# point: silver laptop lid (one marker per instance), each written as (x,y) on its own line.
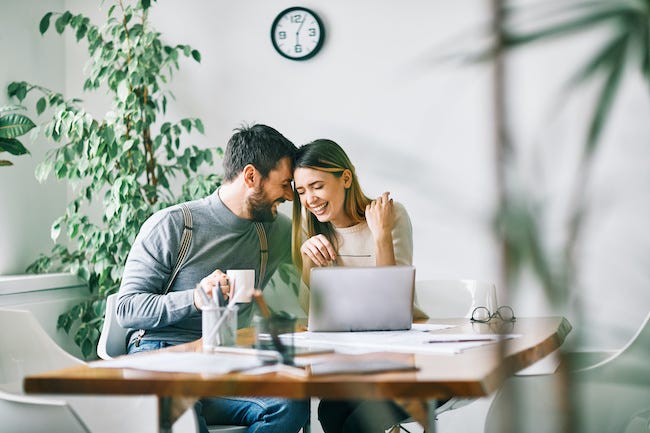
(361,299)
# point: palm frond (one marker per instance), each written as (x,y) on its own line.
(514,39)
(606,98)
(612,51)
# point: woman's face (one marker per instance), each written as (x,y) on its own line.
(323,194)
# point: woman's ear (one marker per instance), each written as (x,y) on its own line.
(250,175)
(347,178)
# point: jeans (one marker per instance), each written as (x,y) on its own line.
(261,414)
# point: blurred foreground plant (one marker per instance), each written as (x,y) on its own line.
(624,50)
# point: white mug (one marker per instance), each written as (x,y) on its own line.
(241,280)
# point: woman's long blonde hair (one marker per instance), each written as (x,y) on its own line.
(325,155)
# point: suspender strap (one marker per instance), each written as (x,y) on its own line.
(264,252)
(186,240)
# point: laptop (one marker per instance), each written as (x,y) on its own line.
(361,298)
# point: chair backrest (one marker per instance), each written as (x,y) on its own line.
(112,340)
(628,364)
(611,395)
(25,414)
(454,298)
(26,348)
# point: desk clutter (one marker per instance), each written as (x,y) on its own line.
(313,353)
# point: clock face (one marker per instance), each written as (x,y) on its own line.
(297,33)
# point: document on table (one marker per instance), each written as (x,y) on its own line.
(411,341)
(183,362)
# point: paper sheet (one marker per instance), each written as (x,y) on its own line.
(411,341)
(183,362)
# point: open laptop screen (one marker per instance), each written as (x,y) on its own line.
(376,298)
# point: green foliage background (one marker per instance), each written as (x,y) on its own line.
(126,161)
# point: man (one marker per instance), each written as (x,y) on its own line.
(257,178)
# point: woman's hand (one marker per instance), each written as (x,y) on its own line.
(319,250)
(380,216)
(209,285)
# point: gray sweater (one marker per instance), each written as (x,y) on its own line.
(220,240)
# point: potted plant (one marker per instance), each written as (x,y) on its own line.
(124,162)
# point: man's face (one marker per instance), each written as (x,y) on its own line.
(275,189)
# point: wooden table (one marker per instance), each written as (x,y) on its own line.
(475,372)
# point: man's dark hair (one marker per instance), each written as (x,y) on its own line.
(259,145)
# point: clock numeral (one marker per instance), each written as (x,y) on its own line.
(296,18)
(282,35)
(312,31)
(298,48)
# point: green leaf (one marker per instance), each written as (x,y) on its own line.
(12,146)
(62,21)
(605,100)
(15,125)
(196,55)
(18,89)
(45,23)
(64,322)
(55,230)
(611,53)
(5,163)
(12,87)
(44,169)
(199,125)
(87,347)
(40,105)
(81,32)
(579,24)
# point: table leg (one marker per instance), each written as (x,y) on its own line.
(165,414)
(432,405)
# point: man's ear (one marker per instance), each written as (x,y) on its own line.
(347,178)
(251,175)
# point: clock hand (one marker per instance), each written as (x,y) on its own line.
(300,27)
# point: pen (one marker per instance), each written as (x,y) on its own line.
(466,340)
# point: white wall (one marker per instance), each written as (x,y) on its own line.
(422,130)
(27,208)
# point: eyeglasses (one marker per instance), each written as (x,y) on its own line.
(483,315)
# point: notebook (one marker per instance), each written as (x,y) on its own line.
(361,299)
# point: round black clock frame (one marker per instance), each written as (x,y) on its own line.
(318,45)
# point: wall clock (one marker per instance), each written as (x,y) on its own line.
(297,33)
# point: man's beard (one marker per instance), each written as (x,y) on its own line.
(260,208)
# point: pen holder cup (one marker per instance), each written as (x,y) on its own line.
(218,330)
(276,333)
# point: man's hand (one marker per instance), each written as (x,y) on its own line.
(209,285)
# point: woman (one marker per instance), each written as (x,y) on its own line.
(343,226)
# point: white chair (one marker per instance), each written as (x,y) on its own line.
(112,343)
(112,340)
(21,414)
(28,349)
(454,298)
(610,396)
